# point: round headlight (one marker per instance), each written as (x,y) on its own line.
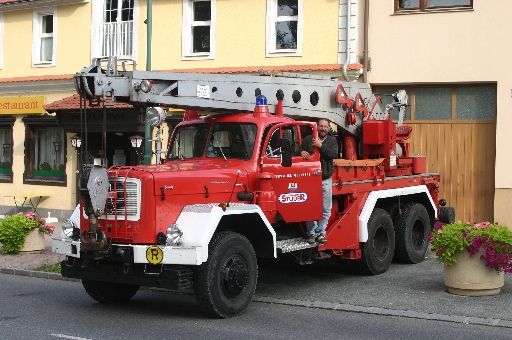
(67,227)
(174,234)
(146,85)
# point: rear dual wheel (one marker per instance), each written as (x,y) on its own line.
(377,251)
(411,230)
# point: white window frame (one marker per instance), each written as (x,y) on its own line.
(98,7)
(38,13)
(272,18)
(186,38)
(1,41)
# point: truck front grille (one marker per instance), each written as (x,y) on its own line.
(127,203)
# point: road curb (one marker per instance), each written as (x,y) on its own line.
(468,320)
(35,273)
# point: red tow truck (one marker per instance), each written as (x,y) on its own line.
(231,189)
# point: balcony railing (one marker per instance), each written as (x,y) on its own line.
(117,39)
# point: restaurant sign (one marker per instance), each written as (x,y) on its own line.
(21,105)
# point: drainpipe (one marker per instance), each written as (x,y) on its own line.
(365,48)
(147,128)
(345,64)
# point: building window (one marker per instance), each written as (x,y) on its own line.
(45,154)
(198,29)
(444,102)
(114,29)
(284,28)
(6,153)
(426,5)
(117,28)
(44,37)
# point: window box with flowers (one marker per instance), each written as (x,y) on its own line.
(45,169)
(5,168)
(476,256)
(23,232)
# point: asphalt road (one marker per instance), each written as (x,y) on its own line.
(419,287)
(35,308)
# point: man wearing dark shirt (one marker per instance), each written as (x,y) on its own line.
(328,147)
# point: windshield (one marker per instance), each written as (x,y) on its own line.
(232,140)
(189,142)
(226,140)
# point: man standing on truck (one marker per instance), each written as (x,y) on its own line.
(328,147)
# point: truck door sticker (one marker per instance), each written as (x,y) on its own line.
(293,186)
(293,197)
(154,255)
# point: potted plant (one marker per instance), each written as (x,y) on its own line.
(475,255)
(23,232)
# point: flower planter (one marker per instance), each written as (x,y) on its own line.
(34,241)
(469,276)
(48,173)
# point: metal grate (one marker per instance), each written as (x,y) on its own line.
(119,206)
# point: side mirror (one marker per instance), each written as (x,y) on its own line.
(286,152)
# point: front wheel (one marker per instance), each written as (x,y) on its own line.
(377,251)
(224,285)
(109,292)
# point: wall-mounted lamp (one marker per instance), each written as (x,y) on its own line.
(76,142)
(136,142)
(57,146)
(6,148)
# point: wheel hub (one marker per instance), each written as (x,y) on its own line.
(418,235)
(381,243)
(234,276)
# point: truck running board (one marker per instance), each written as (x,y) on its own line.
(293,244)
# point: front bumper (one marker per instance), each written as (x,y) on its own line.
(141,253)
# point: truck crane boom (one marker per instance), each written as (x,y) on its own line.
(303,96)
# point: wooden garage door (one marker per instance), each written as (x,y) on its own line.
(454,126)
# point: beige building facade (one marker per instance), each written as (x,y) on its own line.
(201,35)
(438,50)
(452,59)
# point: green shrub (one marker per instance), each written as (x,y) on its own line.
(15,228)
(45,166)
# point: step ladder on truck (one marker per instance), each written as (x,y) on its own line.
(231,189)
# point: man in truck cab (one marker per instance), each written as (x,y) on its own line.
(328,147)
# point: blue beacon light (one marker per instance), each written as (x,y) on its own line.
(261,100)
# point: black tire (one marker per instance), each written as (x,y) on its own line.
(377,252)
(393,209)
(447,215)
(411,229)
(109,292)
(224,285)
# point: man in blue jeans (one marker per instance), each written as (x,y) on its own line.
(328,147)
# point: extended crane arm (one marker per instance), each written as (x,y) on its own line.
(303,96)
